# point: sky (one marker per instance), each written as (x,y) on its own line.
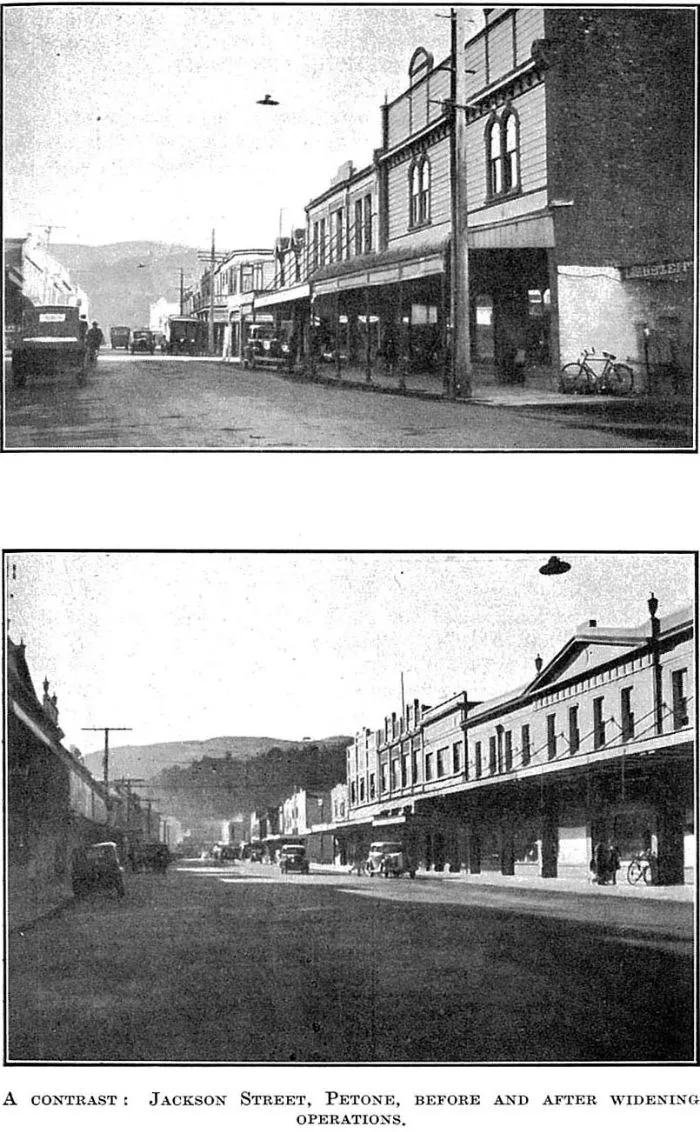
(140,122)
(195,646)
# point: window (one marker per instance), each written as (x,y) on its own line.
(680,700)
(353,793)
(372,786)
(509,750)
(494,158)
(502,154)
(358,227)
(477,760)
(362,789)
(510,163)
(419,183)
(598,723)
(336,248)
(492,755)
(404,770)
(246,279)
(428,766)
(385,778)
(394,774)
(322,242)
(414,767)
(456,757)
(368,223)
(525,744)
(574,736)
(258,277)
(627,715)
(551,736)
(316,243)
(442,762)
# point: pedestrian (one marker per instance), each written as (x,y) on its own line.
(613,862)
(94,339)
(601,862)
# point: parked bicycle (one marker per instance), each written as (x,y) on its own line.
(641,868)
(580,377)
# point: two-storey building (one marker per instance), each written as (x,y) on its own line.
(599,744)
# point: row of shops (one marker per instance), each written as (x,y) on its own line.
(482,185)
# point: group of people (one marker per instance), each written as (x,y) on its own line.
(605,862)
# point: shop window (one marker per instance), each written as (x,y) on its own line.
(551,736)
(456,757)
(477,760)
(626,714)
(598,723)
(419,187)
(525,744)
(679,680)
(574,736)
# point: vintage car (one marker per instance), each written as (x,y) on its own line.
(292,859)
(265,346)
(151,856)
(96,868)
(142,341)
(119,337)
(387,858)
(52,342)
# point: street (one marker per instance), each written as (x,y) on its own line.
(240,964)
(172,403)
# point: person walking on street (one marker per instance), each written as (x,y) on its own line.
(613,862)
(601,862)
(94,339)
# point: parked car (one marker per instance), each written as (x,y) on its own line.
(52,342)
(388,858)
(96,868)
(142,341)
(153,856)
(119,337)
(292,859)
(265,346)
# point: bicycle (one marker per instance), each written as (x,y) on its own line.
(641,868)
(580,377)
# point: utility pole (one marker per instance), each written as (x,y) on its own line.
(211,293)
(105,757)
(182,289)
(460,377)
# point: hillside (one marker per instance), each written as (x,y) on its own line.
(149,760)
(121,291)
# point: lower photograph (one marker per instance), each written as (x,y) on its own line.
(353,808)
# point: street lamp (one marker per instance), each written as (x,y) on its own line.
(555,566)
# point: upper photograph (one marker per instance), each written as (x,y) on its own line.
(349,228)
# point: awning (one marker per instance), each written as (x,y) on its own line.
(289,295)
(380,274)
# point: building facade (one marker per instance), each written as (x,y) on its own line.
(599,744)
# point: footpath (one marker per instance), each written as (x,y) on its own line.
(639,415)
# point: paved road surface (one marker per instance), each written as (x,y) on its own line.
(157,402)
(240,964)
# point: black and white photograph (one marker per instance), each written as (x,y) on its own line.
(351,808)
(345,227)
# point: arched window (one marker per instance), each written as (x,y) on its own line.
(495,161)
(419,181)
(510,166)
(425,191)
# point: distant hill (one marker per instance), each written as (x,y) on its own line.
(214,779)
(148,761)
(120,291)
